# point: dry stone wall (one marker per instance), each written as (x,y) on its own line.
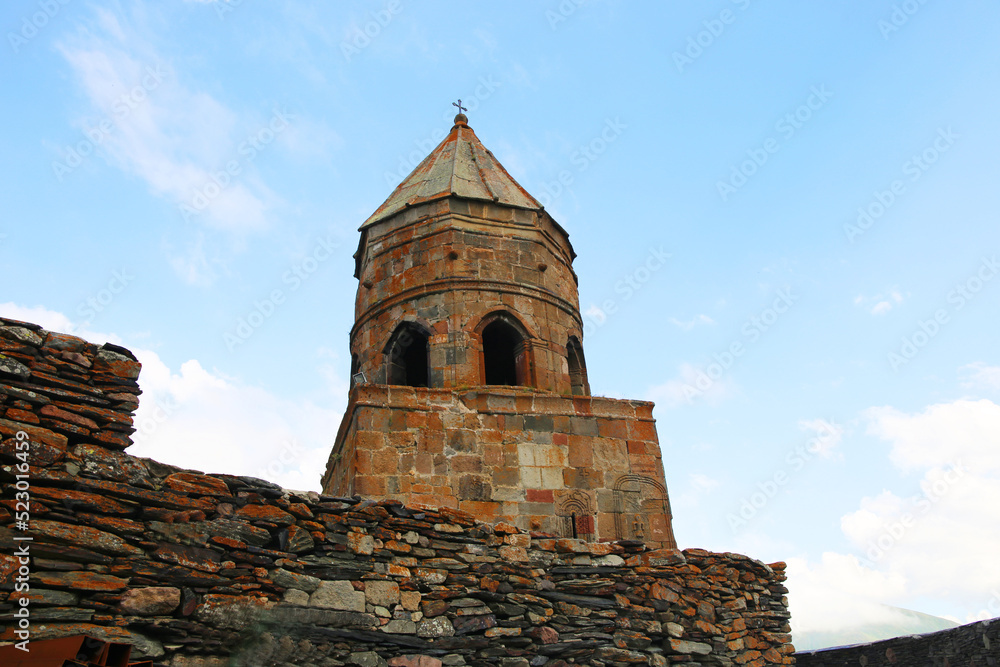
(197,569)
(972,645)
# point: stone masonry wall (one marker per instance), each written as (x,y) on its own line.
(63,391)
(197,569)
(972,645)
(572,466)
(448,264)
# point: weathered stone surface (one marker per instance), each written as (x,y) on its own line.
(287,579)
(382,593)
(84,536)
(198,485)
(338,595)
(415,661)
(81,500)
(14,368)
(8,429)
(366,659)
(297,540)
(231,611)
(435,627)
(198,533)
(150,601)
(296,597)
(267,513)
(116,364)
(80,581)
(694,648)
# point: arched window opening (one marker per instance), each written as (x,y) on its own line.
(504,361)
(577,367)
(407,357)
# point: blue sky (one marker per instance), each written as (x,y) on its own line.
(822,176)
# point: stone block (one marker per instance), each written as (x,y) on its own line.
(583,426)
(612,428)
(337,595)
(150,601)
(382,593)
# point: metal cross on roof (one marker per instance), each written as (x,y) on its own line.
(458,104)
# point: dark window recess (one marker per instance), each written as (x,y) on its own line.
(407,355)
(577,367)
(501,346)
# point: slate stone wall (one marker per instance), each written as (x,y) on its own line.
(972,645)
(197,569)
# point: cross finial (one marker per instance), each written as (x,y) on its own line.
(458,104)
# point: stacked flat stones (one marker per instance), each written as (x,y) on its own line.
(63,391)
(197,569)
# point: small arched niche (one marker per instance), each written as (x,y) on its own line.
(577,367)
(505,352)
(407,356)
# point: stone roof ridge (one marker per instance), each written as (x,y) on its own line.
(459,166)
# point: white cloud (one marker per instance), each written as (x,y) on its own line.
(199,419)
(839,594)
(690,386)
(692,323)
(702,483)
(980,376)
(964,430)
(171,137)
(828,436)
(150,120)
(931,542)
(883,302)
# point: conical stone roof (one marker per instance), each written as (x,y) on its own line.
(460,166)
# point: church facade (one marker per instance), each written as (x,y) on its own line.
(471,388)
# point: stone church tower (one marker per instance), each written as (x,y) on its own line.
(471,387)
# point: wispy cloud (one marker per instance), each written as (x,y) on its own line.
(980,376)
(700,318)
(198,418)
(881,303)
(691,385)
(828,435)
